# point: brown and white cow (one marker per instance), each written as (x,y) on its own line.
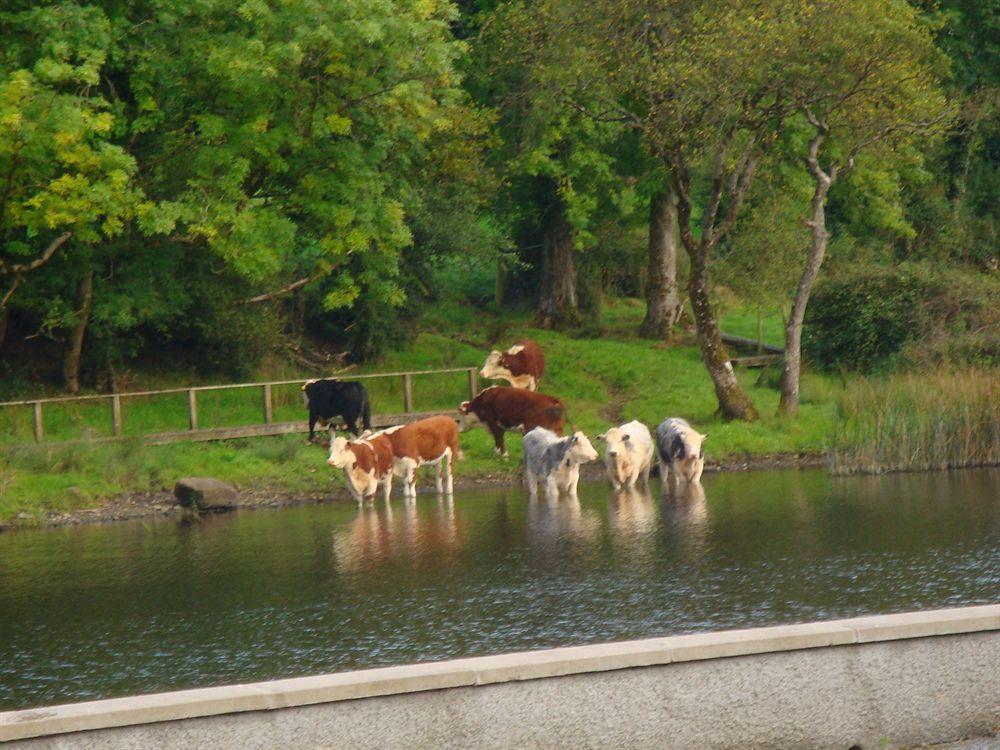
(427,441)
(499,409)
(522,365)
(366,462)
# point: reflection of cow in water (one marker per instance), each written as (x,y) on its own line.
(425,535)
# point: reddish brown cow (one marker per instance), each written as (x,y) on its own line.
(366,464)
(427,441)
(499,409)
(522,365)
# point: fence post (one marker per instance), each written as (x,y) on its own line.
(116,415)
(39,428)
(407,393)
(473,382)
(192,409)
(267,404)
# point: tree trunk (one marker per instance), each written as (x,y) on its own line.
(557,305)
(663,305)
(74,346)
(501,283)
(4,314)
(733,401)
(789,402)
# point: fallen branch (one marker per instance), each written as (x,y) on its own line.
(6,270)
(277,293)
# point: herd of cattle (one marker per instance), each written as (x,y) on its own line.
(370,459)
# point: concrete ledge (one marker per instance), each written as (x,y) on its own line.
(492,670)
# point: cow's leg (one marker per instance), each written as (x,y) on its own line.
(699,467)
(387,486)
(449,475)
(500,448)
(574,479)
(313,416)
(411,482)
(532,481)
(551,486)
(664,472)
(438,479)
(645,474)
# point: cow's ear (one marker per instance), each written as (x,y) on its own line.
(704,437)
(603,436)
(625,438)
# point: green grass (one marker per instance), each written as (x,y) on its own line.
(605,377)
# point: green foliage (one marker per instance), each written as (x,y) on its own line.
(862,320)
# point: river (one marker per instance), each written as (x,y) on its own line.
(99,611)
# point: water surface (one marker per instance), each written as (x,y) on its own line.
(100,611)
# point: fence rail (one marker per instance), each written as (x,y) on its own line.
(268,427)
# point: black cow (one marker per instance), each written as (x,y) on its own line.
(329,398)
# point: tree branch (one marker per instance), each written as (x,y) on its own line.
(19,268)
(277,293)
(10,292)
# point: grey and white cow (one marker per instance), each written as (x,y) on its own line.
(628,455)
(682,448)
(555,460)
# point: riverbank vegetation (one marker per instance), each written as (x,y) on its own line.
(918,421)
(197,193)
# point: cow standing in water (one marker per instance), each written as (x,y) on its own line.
(522,365)
(554,460)
(366,464)
(628,455)
(499,409)
(329,398)
(427,441)
(682,448)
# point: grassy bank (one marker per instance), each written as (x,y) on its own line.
(605,377)
(918,421)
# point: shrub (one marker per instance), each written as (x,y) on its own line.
(915,313)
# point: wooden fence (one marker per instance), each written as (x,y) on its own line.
(268,427)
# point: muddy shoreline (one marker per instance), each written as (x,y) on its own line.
(161,503)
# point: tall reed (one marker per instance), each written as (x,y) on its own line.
(918,421)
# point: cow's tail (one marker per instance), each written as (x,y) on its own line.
(366,413)
(559,412)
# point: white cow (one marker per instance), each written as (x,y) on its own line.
(628,455)
(682,448)
(555,460)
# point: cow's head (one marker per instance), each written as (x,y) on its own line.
(580,450)
(495,368)
(694,453)
(617,452)
(467,419)
(341,455)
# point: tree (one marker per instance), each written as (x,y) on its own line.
(63,181)
(663,303)
(701,82)
(869,81)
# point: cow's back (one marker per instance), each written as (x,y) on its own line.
(424,439)
(529,409)
(530,360)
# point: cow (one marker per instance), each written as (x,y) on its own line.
(366,463)
(328,398)
(554,460)
(628,455)
(500,408)
(427,441)
(522,365)
(682,448)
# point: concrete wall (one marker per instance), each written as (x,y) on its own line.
(887,681)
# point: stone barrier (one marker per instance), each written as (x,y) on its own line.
(883,681)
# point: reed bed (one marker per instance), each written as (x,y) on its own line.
(909,422)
